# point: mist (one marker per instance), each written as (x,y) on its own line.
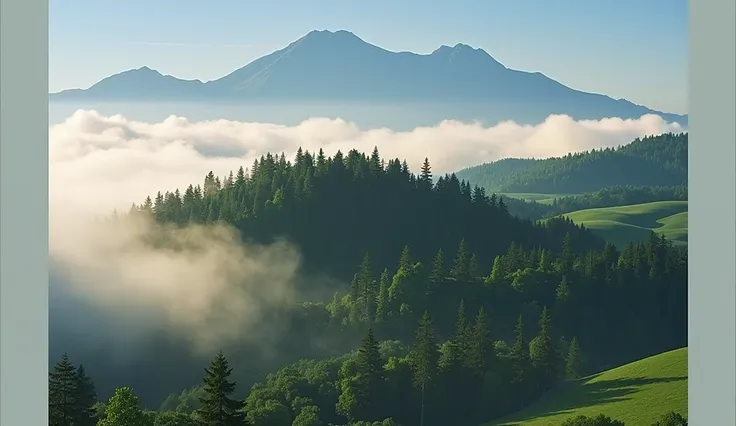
(117,285)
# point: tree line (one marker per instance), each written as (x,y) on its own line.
(650,161)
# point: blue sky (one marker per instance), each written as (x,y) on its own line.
(633,49)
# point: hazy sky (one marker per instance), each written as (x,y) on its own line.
(633,49)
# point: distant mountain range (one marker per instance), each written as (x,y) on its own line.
(339,66)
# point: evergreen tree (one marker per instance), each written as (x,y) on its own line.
(573,363)
(437,273)
(382,301)
(481,345)
(425,176)
(85,398)
(544,357)
(405,261)
(520,360)
(498,272)
(217,408)
(62,393)
(366,285)
(369,381)
(425,357)
(461,268)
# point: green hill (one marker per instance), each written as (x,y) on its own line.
(651,161)
(622,224)
(636,394)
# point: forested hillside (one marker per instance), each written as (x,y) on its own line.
(652,161)
(459,311)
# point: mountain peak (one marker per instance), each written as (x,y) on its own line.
(324,35)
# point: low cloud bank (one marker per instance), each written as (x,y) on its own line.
(212,288)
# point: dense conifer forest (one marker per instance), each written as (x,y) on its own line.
(650,161)
(450,310)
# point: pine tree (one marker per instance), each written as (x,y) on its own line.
(62,393)
(367,291)
(473,270)
(425,176)
(437,273)
(461,268)
(217,408)
(425,356)
(520,358)
(369,382)
(405,261)
(545,359)
(123,410)
(498,272)
(573,363)
(382,302)
(481,346)
(85,398)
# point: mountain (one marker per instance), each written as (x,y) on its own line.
(651,161)
(340,66)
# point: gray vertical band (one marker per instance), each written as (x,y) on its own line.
(23,212)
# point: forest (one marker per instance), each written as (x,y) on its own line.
(650,161)
(450,310)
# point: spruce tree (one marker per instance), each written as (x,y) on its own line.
(369,382)
(382,300)
(217,408)
(573,362)
(461,268)
(62,393)
(481,345)
(85,398)
(437,273)
(520,360)
(425,356)
(545,359)
(425,176)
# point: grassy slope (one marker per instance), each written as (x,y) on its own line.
(636,393)
(622,224)
(539,198)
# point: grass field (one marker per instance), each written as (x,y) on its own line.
(636,394)
(540,198)
(622,224)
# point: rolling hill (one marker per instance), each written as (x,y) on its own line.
(340,66)
(651,161)
(622,224)
(636,393)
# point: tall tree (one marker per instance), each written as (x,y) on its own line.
(63,393)
(573,363)
(425,356)
(544,357)
(85,398)
(481,345)
(461,268)
(363,391)
(425,175)
(520,360)
(437,273)
(217,407)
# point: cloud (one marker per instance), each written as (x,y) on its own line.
(213,288)
(99,162)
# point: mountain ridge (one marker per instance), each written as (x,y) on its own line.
(340,66)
